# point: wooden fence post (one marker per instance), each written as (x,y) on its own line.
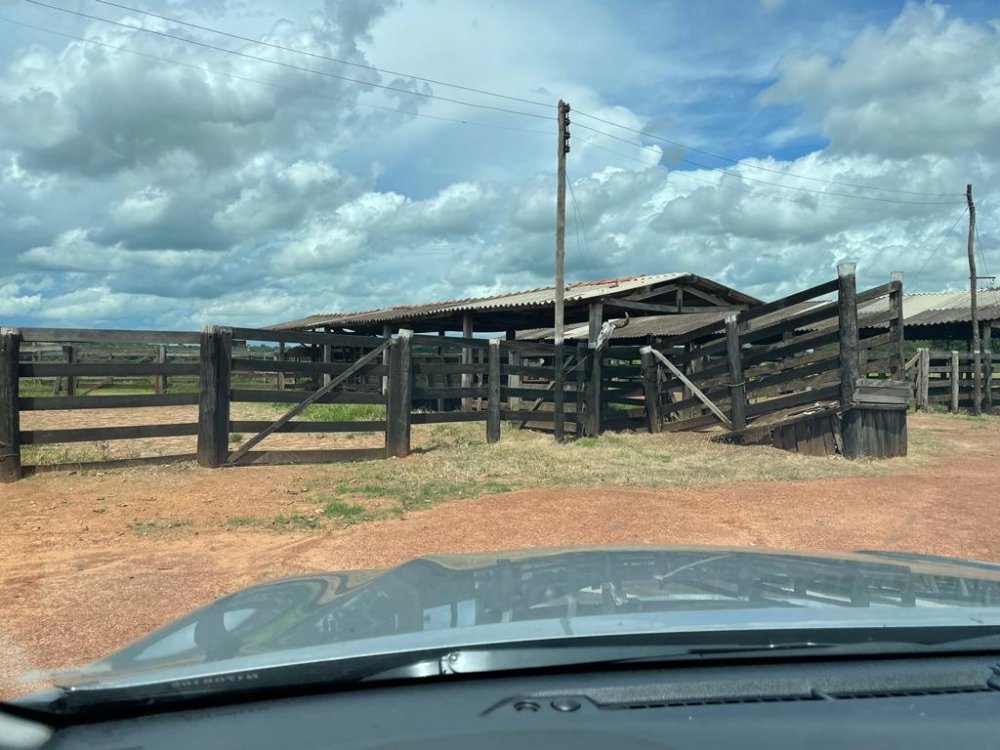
(213,396)
(923,399)
(847,312)
(594,395)
(650,388)
(987,343)
(559,394)
(954,381)
(327,359)
(896,333)
(737,386)
(10,424)
(281,358)
(467,332)
(160,381)
(581,386)
(493,403)
(399,400)
(69,357)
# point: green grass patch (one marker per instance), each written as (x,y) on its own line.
(148,526)
(243,521)
(295,522)
(337,412)
(337,508)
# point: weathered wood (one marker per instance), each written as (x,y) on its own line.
(256,425)
(595,320)
(88,434)
(10,443)
(108,336)
(447,417)
(847,314)
(793,299)
(818,395)
(694,389)
(113,463)
(257,395)
(494,387)
(448,368)
(241,364)
(580,369)
(896,332)
(160,381)
(691,423)
(281,358)
(327,353)
(69,357)
(312,398)
(737,383)
(793,373)
(467,331)
(559,389)
(524,415)
(924,372)
(650,383)
(283,457)
(399,401)
(317,338)
(953,381)
(110,369)
(213,396)
(54,403)
(475,391)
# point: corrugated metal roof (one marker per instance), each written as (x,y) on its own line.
(539,297)
(930,308)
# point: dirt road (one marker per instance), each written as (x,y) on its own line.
(76,581)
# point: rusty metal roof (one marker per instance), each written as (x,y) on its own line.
(540,297)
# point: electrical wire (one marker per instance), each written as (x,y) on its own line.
(318,56)
(583,248)
(806,202)
(290,66)
(764,182)
(739,162)
(269,84)
(939,245)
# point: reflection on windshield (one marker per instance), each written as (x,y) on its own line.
(444,593)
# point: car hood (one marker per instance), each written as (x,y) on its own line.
(523,596)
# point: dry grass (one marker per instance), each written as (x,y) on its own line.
(454,462)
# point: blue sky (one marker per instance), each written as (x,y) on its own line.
(196,186)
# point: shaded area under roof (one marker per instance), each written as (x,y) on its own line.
(517,310)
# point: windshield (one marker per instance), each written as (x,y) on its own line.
(362,334)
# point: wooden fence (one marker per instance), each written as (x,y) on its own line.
(417,379)
(946,377)
(777,360)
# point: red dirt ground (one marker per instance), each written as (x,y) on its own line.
(75,582)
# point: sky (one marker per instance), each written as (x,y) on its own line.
(186,177)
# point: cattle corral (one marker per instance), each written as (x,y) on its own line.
(752,370)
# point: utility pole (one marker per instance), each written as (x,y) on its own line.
(562,148)
(977,364)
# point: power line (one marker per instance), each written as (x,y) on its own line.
(290,66)
(939,245)
(721,186)
(578,217)
(739,162)
(766,182)
(327,58)
(269,84)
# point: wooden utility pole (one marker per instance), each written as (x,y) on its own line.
(562,148)
(977,363)
(561,151)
